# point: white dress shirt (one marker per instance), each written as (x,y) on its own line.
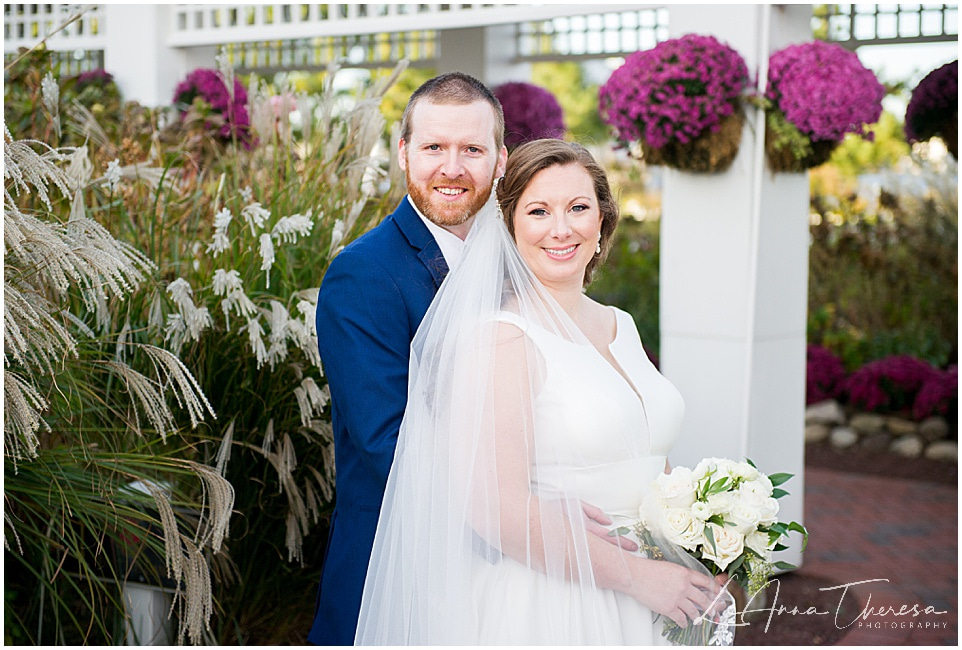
(452,246)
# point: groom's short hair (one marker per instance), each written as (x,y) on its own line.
(454,88)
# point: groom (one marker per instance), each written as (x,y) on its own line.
(372,300)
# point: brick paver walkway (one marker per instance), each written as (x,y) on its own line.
(902,535)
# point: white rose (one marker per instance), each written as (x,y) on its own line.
(701,510)
(745,472)
(681,528)
(755,492)
(703,467)
(745,517)
(759,542)
(677,489)
(729,544)
(725,467)
(768,512)
(721,503)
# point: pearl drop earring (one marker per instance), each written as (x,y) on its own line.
(598,248)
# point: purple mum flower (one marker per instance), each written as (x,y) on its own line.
(889,384)
(824,90)
(937,394)
(934,100)
(530,113)
(824,374)
(209,86)
(99,78)
(674,91)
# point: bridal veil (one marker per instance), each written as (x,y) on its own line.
(473,484)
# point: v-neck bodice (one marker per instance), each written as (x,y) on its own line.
(603,434)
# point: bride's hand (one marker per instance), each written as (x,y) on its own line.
(596,522)
(674,591)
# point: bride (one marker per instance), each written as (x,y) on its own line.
(530,404)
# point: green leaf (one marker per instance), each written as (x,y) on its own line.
(719,486)
(749,461)
(718,520)
(734,566)
(711,539)
(798,528)
(779,547)
(778,493)
(785,566)
(779,478)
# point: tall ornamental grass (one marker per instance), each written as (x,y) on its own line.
(224,247)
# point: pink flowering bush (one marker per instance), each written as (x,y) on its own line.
(824,374)
(933,109)
(530,113)
(675,93)
(817,92)
(888,385)
(939,394)
(208,85)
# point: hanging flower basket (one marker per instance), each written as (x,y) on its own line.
(530,113)
(933,109)
(679,103)
(817,92)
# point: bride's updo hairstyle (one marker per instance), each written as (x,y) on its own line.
(532,157)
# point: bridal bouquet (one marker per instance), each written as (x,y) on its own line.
(724,514)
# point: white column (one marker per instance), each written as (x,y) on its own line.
(485,53)
(734,280)
(137,55)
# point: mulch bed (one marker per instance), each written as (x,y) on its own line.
(862,461)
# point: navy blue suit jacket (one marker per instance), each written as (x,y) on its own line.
(372,300)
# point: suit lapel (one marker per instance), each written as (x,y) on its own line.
(420,237)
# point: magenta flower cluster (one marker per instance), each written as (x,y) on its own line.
(938,394)
(209,86)
(99,78)
(888,385)
(674,91)
(530,113)
(934,101)
(824,374)
(824,90)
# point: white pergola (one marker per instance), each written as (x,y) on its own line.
(734,258)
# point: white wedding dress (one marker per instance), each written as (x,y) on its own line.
(514,421)
(620,428)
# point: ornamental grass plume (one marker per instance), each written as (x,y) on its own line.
(75,386)
(675,91)
(530,113)
(933,109)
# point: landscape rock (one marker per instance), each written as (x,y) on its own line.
(843,437)
(816,432)
(947,450)
(901,426)
(934,428)
(867,422)
(827,412)
(908,446)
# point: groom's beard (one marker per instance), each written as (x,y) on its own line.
(448,214)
